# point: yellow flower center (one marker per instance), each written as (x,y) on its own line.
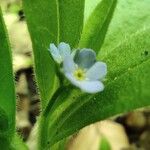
(79,74)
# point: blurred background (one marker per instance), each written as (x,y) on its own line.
(124,132)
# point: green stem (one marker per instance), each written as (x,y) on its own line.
(59,74)
(43,134)
(44,122)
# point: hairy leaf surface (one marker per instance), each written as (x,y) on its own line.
(126,87)
(7,92)
(70,21)
(129,17)
(43,28)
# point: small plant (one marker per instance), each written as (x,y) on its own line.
(86,80)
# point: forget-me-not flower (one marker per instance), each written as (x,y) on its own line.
(60,52)
(84,71)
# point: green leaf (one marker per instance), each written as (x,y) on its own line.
(129,17)
(104,144)
(61,145)
(89,7)
(7,90)
(126,87)
(17,144)
(70,16)
(96,27)
(42,25)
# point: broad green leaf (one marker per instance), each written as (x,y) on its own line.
(96,27)
(7,92)
(126,87)
(129,17)
(43,28)
(70,17)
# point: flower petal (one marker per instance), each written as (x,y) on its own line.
(55,53)
(86,86)
(72,79)
(68,64)
(97,71)
(91,86)
(64,49)
(85,58)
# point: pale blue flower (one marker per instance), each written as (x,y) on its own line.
(84,71)
(60,52)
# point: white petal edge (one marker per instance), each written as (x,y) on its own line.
(68,64)
(91,86)
(55,53)
(64,49)
(97,71)
(71,78)
(53,49)
(86,86)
